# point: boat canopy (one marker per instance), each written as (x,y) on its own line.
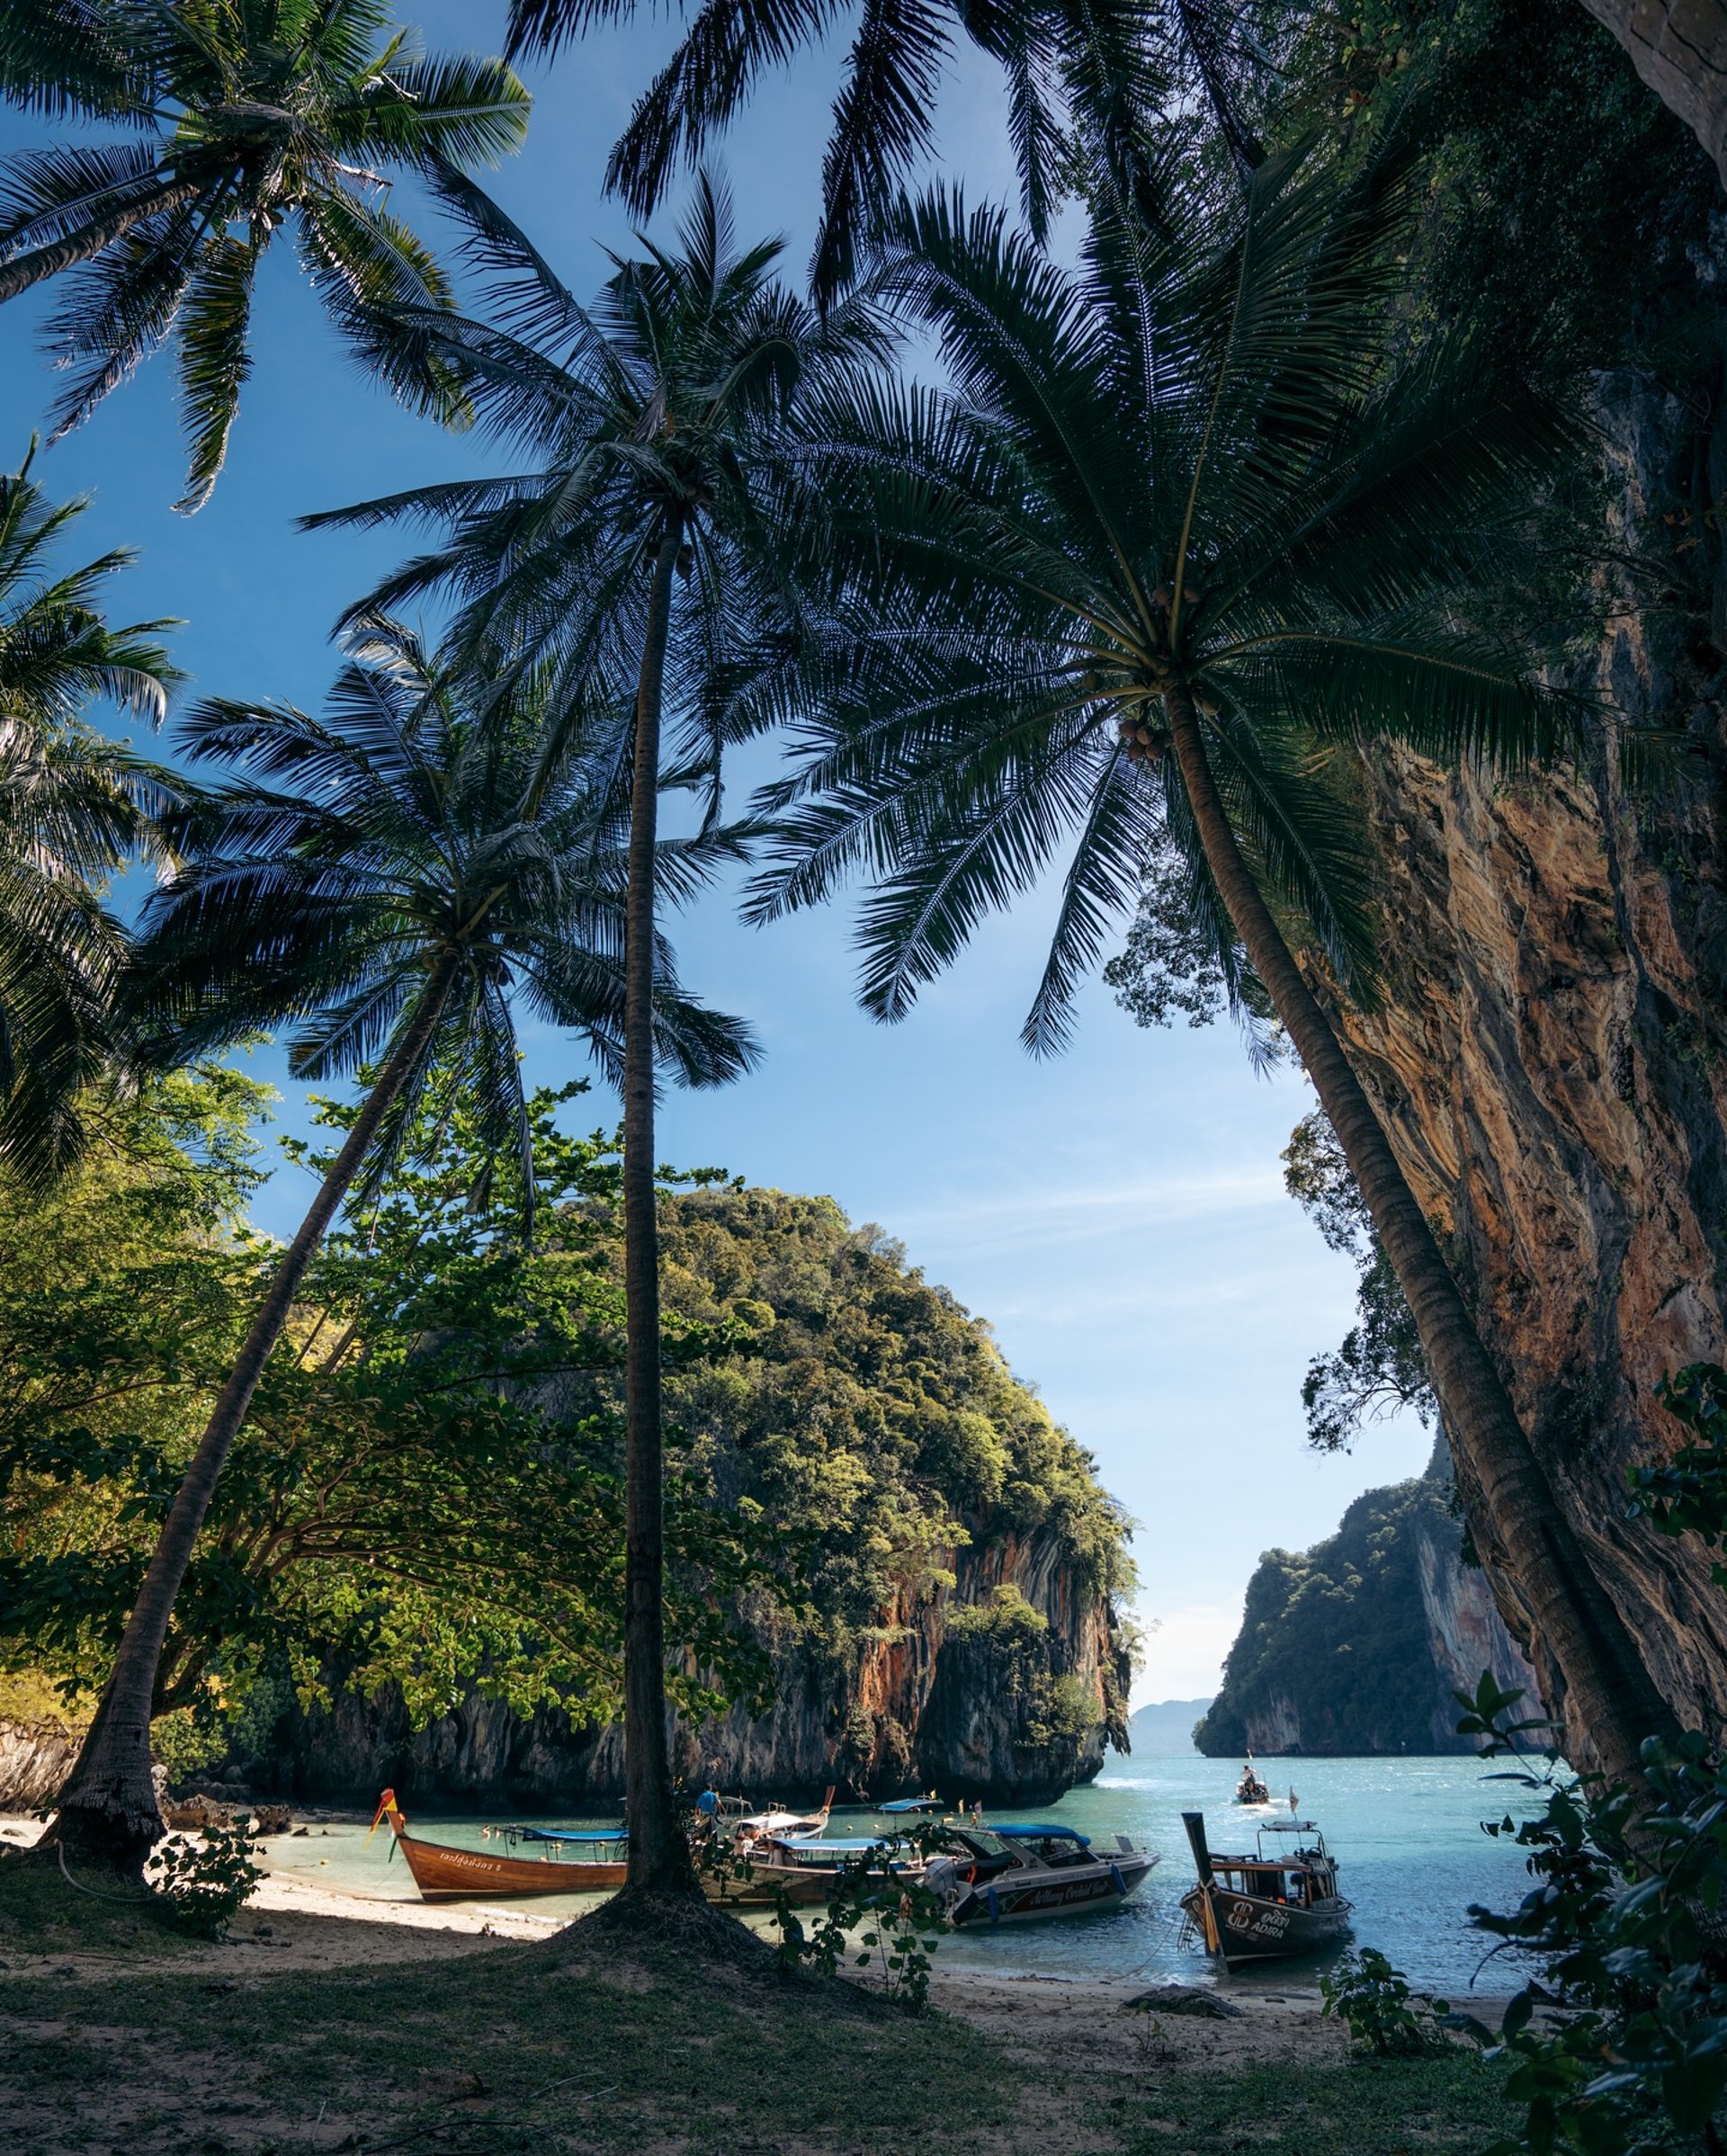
(568,1834)
(1044,1834)
(837,1847)
(913,1804)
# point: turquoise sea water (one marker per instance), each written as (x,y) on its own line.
(1407,1834)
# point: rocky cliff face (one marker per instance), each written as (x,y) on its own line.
(35,1758)
(1007,1689)
(1551,1054)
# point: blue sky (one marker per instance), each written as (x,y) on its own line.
(1117,1214)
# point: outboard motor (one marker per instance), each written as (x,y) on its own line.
(1194,1823)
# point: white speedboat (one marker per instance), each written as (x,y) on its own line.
(991,1876)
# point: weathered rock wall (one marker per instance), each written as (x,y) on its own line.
(35,1758)
(1549,1056)
(977,1713)
(1466,1633)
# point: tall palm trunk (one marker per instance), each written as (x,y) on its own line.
(107,1810)
(1616,1702)
(660,1856)
(24,271)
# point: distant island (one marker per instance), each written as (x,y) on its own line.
(1166,1727)
(1358,1645)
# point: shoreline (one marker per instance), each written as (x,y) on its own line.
(289,1923)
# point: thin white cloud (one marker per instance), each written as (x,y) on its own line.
(1041,1217)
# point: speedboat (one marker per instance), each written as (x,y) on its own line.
(1282,1900)
(566,1860)
(991,1876)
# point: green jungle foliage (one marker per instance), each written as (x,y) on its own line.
(1534,121)
(869,1418)
(1378,1367)
(1338,1632)
(1628,2057)
(429,1487)
(402,1502)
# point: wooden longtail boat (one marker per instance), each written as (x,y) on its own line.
(1277,1903)
(444,1874)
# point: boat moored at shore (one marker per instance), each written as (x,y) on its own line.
(1278,1902)
(567,1860)
(1011,1875)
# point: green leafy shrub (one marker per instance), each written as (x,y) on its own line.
(205,1882)
(876,1919)
(1629,2057)
(1385,2016)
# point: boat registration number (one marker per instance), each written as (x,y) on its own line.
(1258,1923)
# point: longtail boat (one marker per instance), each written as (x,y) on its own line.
(446,1873)
(759,1826)
(1251,1789)
(1278,1902)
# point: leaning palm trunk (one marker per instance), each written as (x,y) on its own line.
(107,1810)
(89,240)
(1617,1704)
(660,1856)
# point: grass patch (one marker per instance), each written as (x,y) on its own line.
(40,1914)
(608,2043)
(507,2050)
(1372,2106)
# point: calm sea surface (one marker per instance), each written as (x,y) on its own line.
(1406,1832)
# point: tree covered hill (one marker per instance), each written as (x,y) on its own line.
(1357,1644)
(888,1563)
(956,1564)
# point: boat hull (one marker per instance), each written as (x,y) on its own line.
(443,1874)
(802,1885)
(1049,1894)
(1240,1928)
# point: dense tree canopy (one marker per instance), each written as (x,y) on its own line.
(870,1417)
(408,1500)
(428,1490)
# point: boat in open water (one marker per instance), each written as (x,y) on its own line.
(989,1876)
(566,1860)
(1283,1900)
(1251,1788)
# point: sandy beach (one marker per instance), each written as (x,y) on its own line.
(292,1923)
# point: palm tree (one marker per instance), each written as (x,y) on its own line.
(1117,61)
(249,113)
(389,881)
(74,810)
(1177,542)
(633,553)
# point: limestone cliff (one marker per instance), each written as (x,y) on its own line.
(1006,1688)
(1549,1056)
(35,1758)
(1358,1645)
